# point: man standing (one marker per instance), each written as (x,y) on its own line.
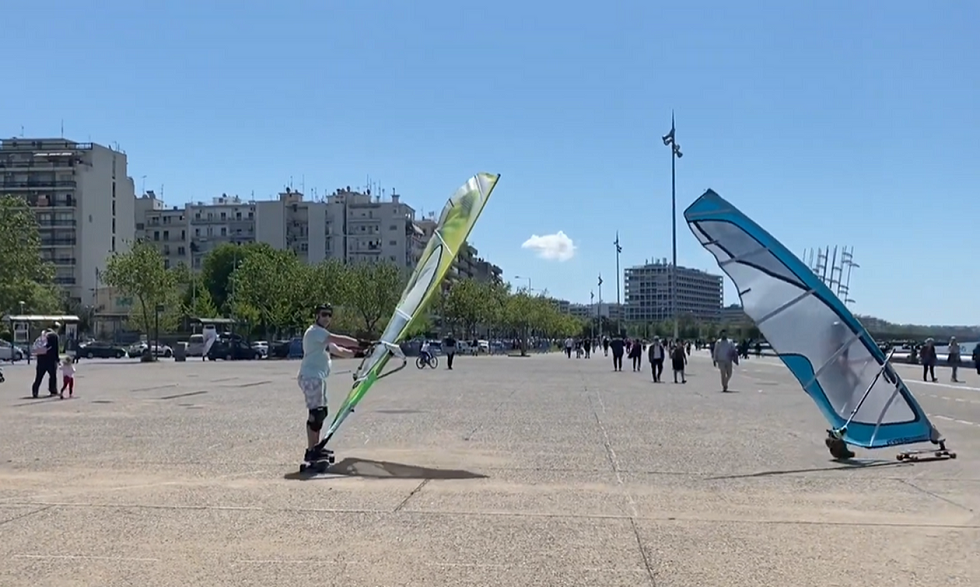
(449,345)
(723,355)
(47,355)
(318,344)
(656,354)
(953,357)
(618,346)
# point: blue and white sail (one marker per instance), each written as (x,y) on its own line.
(825,347)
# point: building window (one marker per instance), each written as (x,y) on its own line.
(156,235)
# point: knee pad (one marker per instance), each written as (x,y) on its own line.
(316,419)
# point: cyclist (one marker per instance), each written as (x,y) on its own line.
(424,352)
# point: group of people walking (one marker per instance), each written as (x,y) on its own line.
(724,355)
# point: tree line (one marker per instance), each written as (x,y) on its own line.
(273,292)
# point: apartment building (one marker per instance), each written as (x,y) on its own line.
(166,228)
(83,200)
(612,312)
(648,293)
(344,225)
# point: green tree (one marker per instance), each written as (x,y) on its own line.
(264,289)
(371,292)
(200,304)
(219,265)
(24,275)
(467,305)
(518,316)
(140,273)
(322,283)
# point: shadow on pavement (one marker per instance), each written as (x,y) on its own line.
(851,465)
(351,467)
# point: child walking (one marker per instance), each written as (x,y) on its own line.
(67,377)
(678,358)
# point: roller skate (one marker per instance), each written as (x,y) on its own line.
(316,461)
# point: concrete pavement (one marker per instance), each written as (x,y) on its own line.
(504,471)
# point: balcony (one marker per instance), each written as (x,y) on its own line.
(42,224)
(41,164)
(63,261)
(64,280)
(58,242)
(44,185)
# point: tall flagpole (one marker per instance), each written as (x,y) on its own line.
(675,154)
(619,312)
(598,315)
(591,321)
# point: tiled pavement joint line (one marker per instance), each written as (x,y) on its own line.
(614,463)
(26,514)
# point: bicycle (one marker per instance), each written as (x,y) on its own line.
(432,362)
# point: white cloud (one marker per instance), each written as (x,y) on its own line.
(553,247)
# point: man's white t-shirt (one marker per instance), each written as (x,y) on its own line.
(724,350)
(316,361)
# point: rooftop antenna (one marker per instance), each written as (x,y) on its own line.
(302,183)
(62,128)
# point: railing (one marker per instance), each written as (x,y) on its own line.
(38,184)
(26,145)
(55,242)
(42,224)
(38,165)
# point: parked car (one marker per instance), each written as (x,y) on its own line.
(262,347)
(100,350)
(195,345)
(279,349)
(9,352)
(295,348)
(136,350)
(232,349)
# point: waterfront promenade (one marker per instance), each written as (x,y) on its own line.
(504,471)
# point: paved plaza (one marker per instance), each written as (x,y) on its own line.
(503,472)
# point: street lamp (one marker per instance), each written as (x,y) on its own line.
(675,154)
(27,332)
(528,282)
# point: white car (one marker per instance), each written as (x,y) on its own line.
(9,352)
(262,347)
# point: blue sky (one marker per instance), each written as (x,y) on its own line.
(840,123)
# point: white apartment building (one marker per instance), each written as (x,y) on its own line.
(648,293)
(345,225)
(167,228)
(83,200)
